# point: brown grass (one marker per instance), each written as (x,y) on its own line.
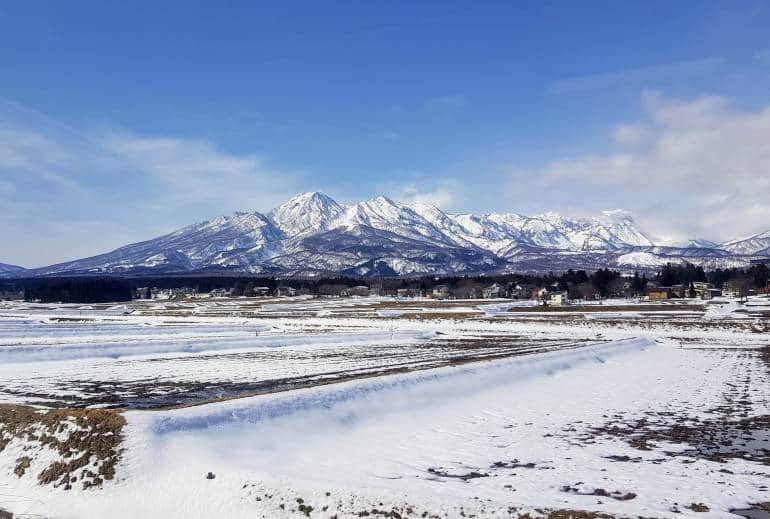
(95,435)
(22,464)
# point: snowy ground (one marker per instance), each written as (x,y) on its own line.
(397,408)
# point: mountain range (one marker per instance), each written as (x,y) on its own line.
(312,235)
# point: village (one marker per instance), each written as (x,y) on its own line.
(553,294)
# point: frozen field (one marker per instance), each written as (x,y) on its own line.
(348,408)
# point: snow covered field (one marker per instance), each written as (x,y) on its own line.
(388,408)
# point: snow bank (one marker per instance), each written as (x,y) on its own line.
(396,393)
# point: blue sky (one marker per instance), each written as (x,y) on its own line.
(123,120)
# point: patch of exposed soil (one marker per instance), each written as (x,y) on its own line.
(615,494)
(88,442)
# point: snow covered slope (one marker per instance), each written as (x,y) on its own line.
(311,234)
(237,240)
(365,250)
(757,244)
(7,270)
(384,214)
(498,231)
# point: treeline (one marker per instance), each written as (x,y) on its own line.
(77,290)
(579,283)
(756,276)
(98,290)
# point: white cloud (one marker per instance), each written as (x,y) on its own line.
(440,197)
(690,168)
(444,193)
(194,172)
(76,192)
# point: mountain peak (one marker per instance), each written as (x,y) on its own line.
(310,195)
(307,212)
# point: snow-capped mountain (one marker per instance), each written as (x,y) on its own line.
(501,232)
(6,269)
(757,244)
(700,243)
(311,234)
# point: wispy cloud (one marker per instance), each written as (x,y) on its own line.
(689,168)
(194,172)
(129,186)
(637,77)
(444,193)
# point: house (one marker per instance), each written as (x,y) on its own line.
(409,292)
(544,293)
(143,293)
(712,293)
(440,292)
(220,292)
(261,291)
(703,290)
(285,291)
(520,290)
(558,298)
(732,289)
(359,290)
(662,293)
(173,293)
(493,291)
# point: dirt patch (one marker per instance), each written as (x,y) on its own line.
(615,494)
(714,440)
(22,464)
(464,477)
(88,442)
(513,464)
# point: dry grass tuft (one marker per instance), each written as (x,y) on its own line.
(88,442)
